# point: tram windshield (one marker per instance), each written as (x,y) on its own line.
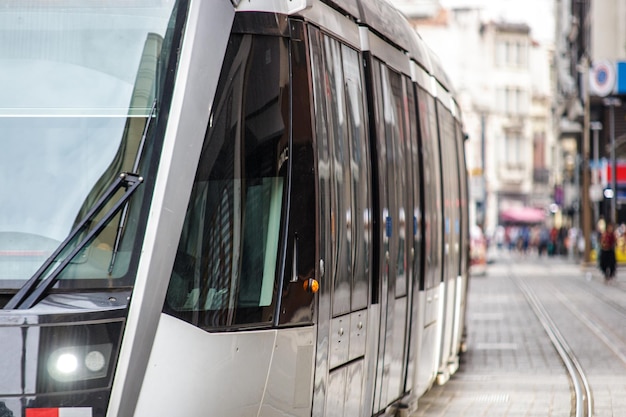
(79,80)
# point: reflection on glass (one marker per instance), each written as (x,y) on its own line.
(78,81)
(226,266)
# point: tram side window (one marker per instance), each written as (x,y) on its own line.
(360,174)
(432,189)
(450,189)
(343,171)
(416,223)
(396,82)
(226,265)
(462,202)
(341,236)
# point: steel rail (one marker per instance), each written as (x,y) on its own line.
(582,390)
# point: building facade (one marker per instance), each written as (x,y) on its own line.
(590,114)
(503,78)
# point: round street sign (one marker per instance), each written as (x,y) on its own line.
(602,78)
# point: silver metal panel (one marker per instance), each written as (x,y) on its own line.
(354,389)
(391,56)
(415,326)
(441,305)
(358,334)
(333,22)
(396,366)
(371,353)
(193,373)
(432,89)
(444,96)
(336,393)
(188,117)
(272,371)
(427,363)
(432,306)
(387,20)
(457,110)
(322,355)
(273,6)
(339,340)
(16,351)
(419,75)
(419,52)
(290,380)
(350,6)
(417,336)
(448,319)
(459,317)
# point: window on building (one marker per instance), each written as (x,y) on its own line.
(512,100)
(513,150)
(511,53)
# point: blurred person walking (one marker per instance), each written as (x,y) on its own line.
(607,252)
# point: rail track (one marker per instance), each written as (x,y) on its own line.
(583,396)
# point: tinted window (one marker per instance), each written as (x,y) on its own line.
(359,174)
(416,221)
(450,191)
(226,265)
(344,173)
(432,188)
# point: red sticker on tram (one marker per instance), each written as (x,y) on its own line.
(59,412)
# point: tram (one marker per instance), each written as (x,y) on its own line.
(226,208)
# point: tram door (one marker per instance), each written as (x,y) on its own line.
(344,205)
(395,220)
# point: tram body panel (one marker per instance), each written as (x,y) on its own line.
(256,373)
(88,301)
(428,339)
(347,322)
(464,241)
(459,307)
(281,164)
(183,138)
(451,228)
(448,302)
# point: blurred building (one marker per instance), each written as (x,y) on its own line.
(502,77)
(590,109)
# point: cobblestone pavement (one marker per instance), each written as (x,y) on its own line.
(511,368)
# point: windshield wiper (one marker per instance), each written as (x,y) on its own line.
(37,286)
(122,224)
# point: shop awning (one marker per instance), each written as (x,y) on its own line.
(527,215)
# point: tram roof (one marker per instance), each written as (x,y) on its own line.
(387,22)
(382,19)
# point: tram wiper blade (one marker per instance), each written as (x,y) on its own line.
(36,287)
(123,217)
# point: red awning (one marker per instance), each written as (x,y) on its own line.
(527,215)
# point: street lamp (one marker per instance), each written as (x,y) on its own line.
(611,103)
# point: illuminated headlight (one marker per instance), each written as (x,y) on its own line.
(79,363)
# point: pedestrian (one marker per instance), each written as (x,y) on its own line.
(607,252)
(544,240)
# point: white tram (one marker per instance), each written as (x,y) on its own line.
(216,208)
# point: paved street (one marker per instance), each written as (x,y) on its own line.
(511,367)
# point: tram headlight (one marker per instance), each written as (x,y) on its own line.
(66,363)
(79,363)
(77,357)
